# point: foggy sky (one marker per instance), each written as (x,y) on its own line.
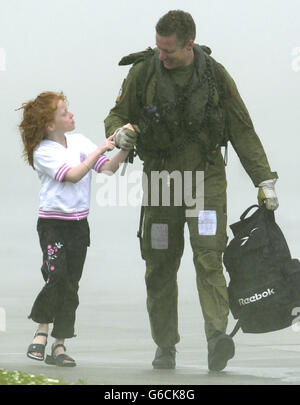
(75,46)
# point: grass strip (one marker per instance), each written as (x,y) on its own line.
(19,378)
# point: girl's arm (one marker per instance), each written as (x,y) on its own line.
(113,165)
(78,172)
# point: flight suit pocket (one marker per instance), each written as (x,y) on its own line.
(162,236)
(208,230)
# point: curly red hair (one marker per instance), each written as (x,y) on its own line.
(37,115)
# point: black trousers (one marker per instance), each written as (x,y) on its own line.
(64,246)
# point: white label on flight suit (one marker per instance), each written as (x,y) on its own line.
(207,222)
(159,236)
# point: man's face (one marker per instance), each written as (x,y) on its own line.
(172,54)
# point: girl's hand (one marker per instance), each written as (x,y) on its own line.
(108,144)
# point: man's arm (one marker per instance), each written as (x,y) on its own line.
(126,108)
(242,134)
(247,144)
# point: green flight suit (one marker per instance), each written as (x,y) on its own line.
(163,226)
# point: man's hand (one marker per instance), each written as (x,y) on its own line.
(125,137)
(267,195)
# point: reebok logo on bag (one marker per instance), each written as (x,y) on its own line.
(256,297)
(264,282)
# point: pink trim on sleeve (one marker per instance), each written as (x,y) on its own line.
(100,162)
(62,171)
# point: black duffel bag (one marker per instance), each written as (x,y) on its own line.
(264,287)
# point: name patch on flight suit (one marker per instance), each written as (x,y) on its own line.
(159,236)
(207,222)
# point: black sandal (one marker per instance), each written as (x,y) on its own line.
(37,348)
(61,360)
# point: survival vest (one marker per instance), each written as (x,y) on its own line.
(176,116)
(264,287)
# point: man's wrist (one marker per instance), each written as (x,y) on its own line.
(116,137)
(270,182)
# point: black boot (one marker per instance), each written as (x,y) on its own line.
(164,357)
(220,350)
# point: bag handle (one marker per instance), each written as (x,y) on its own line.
(246,212)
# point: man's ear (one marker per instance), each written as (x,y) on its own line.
(190,45)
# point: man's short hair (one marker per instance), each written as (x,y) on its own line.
(177,22)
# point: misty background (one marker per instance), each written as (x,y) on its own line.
(74,46)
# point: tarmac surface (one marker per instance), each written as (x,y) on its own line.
(113,344)
(116,347)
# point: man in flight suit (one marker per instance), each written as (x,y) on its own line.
(178,106)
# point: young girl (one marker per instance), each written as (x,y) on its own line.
(63,163)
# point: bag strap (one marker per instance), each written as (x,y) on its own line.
(235,329)
(246,212)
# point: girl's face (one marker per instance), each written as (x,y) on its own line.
(63,119)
